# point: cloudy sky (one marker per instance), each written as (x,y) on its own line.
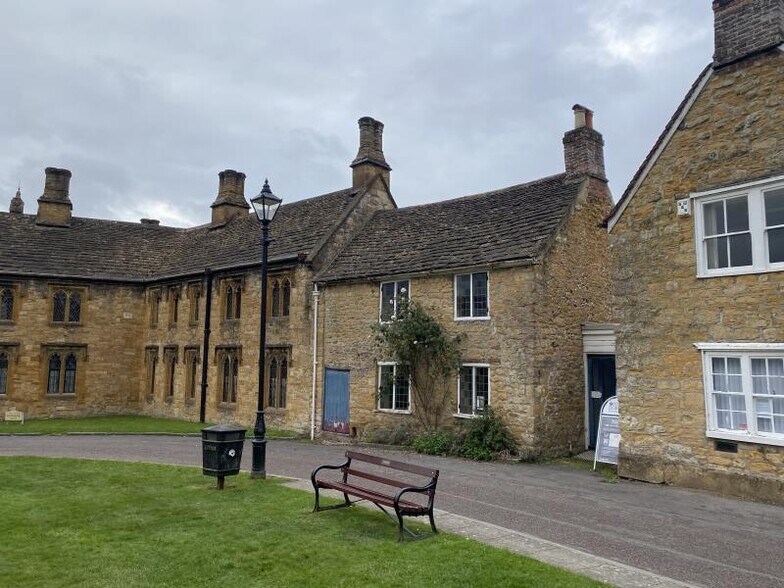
(147,100)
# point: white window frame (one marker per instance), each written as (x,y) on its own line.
(759,242)
(394,377)
(745,351)
(473,414)
(394,298)
(454,296)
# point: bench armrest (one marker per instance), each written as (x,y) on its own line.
(428,488)
(328,467)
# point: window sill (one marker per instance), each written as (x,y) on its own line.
(61,395)
(744,271)
(65,324)
(747,438)
(227,406)
(392,411)
(460,415)
(462,319)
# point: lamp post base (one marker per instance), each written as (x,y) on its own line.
(259,467)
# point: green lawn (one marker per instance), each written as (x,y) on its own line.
(114,424)
(97,523)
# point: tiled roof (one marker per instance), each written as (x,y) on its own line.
(102,249)
(511,224)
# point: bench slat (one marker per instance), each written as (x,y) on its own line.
(405,505)
(377,478)
(391,463)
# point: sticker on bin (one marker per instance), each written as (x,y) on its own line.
(232,453)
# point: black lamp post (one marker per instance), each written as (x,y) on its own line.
(266,205)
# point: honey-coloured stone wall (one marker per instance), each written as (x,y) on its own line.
(732,134)
(105,342)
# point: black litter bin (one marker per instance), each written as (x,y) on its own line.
(222,451)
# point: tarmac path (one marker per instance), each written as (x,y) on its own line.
(690,536)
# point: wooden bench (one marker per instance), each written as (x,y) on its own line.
(353,482)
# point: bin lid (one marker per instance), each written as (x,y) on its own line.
(224,429)
(223,432)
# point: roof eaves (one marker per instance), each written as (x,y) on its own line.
(658,147)
(382,276)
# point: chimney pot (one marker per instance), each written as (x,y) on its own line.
(150,221)
(584,146)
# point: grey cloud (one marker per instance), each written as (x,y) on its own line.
(147,101)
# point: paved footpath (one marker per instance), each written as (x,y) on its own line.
(625,533)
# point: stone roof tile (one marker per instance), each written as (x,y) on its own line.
(511,224)
(123,251)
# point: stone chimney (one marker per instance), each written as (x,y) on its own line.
(17,204)
(230,201)
(743,28)
(54,206)
(370,157)
(584,146)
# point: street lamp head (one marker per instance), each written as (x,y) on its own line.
(266,203)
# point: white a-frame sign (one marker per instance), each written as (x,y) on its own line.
(608,437)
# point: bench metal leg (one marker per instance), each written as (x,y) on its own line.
(432,522)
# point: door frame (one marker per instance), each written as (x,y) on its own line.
(598,339)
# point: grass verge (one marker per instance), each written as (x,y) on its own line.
(607,471)
(89,523)
(114,424)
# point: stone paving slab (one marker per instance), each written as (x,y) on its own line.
(562,556)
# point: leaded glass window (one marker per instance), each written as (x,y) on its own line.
(192,358)
(74,307)
(392,293)
(58,306)
(275,299)
(3,373)
(471,295)
(230,301)
(273,383)
(233,300)
(394,390)
(229,375)
(6,304)
(234,378)
(286,297)
(284,374)
(69,381)
(473,389)
(66,306)
(55,366)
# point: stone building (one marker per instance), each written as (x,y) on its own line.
(105,317)
(516,271)
(698,246)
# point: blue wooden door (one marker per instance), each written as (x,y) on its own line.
(336,401)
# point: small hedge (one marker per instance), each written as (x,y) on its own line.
(482,439)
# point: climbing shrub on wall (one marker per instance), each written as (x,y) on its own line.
(429,356)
